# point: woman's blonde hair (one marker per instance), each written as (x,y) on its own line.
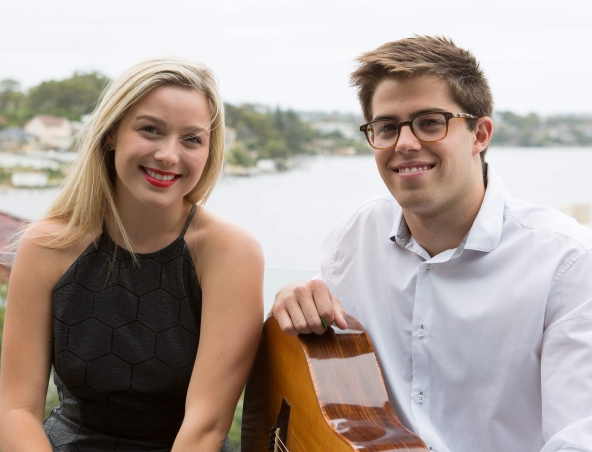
(88,191)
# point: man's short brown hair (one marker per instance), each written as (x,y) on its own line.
(425,55)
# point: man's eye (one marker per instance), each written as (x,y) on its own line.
(388,127)
(431,122)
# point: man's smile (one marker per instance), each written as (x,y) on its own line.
(414,168)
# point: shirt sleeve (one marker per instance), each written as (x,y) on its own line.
(566,360)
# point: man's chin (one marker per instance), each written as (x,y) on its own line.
(416,203)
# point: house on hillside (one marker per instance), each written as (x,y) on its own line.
(8,226)
(54,132)
(14,139)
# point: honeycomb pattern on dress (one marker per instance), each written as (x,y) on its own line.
(125,341)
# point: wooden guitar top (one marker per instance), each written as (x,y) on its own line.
(335,390)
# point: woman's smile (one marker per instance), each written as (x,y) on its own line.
(161,179)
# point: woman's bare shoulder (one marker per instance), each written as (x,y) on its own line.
(210,233)
(34,247)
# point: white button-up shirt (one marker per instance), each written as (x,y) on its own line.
(486,347)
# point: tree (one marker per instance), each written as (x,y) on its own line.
(12,103)
(71,97)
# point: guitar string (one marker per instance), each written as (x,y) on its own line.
(281,443)
(276,445)
(282,447)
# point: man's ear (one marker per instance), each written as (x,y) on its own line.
(483,131)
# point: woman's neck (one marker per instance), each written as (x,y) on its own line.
(148,228)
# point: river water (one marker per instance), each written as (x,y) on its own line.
(291,212)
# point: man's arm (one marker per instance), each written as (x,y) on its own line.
(566,360)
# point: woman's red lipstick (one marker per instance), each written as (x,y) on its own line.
(160,179)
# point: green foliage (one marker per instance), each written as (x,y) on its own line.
(13,104)
(52,399)
(239,156)
(11,95)
(274,134)
(71,97)
(235,430)
(511,129)
(275,149)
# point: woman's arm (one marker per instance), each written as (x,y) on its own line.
(27,343)
(230,270)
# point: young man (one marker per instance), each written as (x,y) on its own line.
(479,305)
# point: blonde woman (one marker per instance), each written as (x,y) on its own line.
(148,306)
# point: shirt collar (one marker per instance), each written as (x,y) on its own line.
(486,232)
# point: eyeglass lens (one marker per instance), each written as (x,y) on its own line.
(426,127)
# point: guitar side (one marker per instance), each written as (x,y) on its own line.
(335,391)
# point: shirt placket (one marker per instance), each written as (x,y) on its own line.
(420,339)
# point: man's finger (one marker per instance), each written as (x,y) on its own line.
(297,317)
(323,302)
(285,321)
(339,313)
(309,299)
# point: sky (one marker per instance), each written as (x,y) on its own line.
(537,54)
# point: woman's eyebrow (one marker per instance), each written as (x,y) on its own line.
(151,118)
(195,129)
(162,122)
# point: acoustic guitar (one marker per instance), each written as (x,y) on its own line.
(312,393)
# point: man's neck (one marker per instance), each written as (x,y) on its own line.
(446,229)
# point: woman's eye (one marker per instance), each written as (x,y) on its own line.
(149,129)
(193,139)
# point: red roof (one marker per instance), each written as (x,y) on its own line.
(8,225)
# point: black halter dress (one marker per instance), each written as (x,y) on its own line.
(125,341)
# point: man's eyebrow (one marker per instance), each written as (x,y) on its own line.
(396,118)
(162,122)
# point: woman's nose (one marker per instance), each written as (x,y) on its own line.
(168,152)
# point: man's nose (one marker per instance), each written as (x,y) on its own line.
(407,141)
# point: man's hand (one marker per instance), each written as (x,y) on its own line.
(299,308)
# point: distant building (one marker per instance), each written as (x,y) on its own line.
(8,226)
(266,165)
(347,130)
(29,179)
(54,132)
(13,139)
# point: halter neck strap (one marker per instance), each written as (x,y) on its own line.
(189,218)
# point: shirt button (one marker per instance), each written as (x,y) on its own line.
(421,332)
(420,398)
(429,266)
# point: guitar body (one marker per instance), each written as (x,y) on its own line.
(312,393)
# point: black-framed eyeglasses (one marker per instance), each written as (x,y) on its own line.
(428,127)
